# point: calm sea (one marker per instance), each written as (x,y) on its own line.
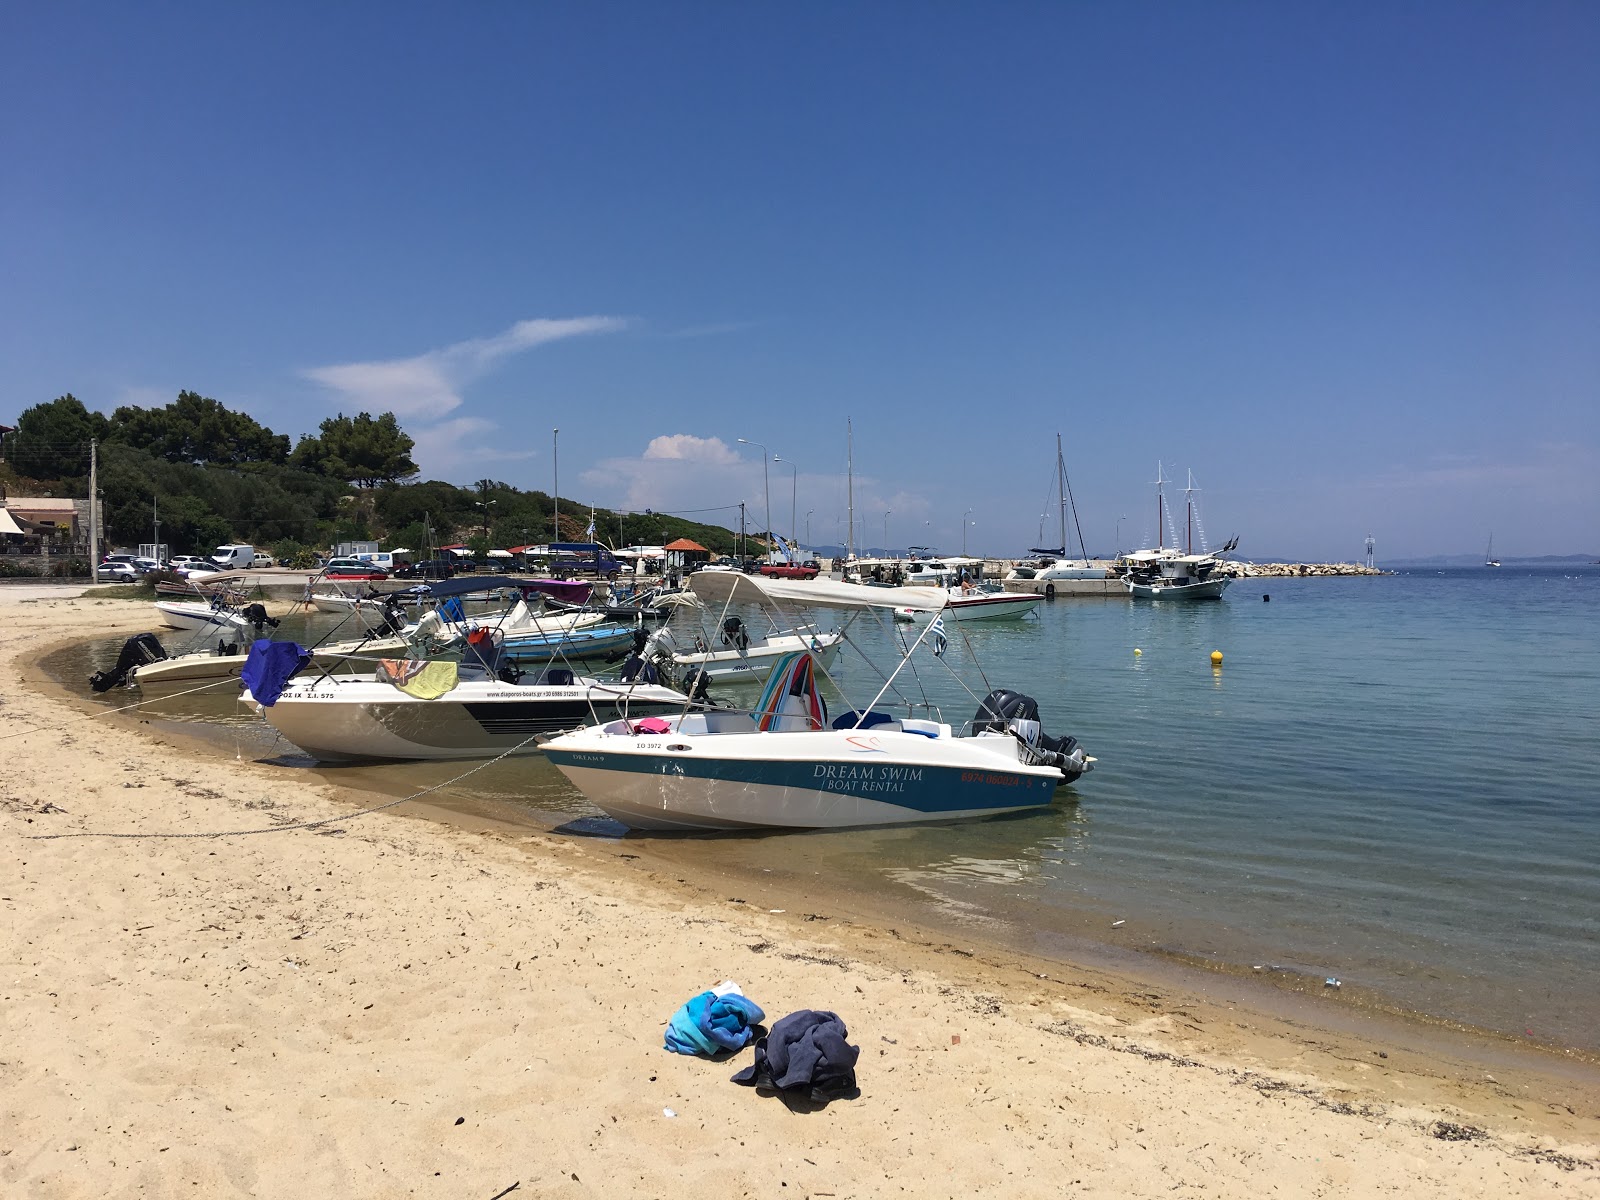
(1393,782)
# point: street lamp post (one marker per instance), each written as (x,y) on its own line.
(887,514)
(766,496)
(794,484)
(809,511)
(1120,520)
(964,517)
(555,495)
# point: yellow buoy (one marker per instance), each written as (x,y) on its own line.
(1216,658)
(1136,650)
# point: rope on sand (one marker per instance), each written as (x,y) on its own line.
(222,833)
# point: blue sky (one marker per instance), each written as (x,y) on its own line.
(1342,261)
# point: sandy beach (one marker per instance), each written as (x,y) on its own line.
(394,1005)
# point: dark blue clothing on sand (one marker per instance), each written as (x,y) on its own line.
(805,1055)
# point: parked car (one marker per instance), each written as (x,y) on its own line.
(185,562)
(790,570)
(428,568)
(138,562)
(116,572)
(352,568)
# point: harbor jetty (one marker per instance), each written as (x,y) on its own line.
(1113,587)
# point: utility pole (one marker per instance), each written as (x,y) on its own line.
(555,463)
(94,511)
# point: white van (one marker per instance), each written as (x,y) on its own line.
(389,560)
(240,558)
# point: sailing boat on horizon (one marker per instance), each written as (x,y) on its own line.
(1174,573)
(1489,560)
(1053,562)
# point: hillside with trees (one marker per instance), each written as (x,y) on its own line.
(211,475)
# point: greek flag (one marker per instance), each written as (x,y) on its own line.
(936,635)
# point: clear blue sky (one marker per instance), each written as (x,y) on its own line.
(1343,261)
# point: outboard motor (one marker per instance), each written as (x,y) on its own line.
(256,617)
(735,634)
(1004,711)
(138,650)
(394,616)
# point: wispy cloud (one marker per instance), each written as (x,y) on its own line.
(430,385)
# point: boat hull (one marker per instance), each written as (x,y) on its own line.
(358,720)
(1211,589)
(197,617)
(821,779)
(754,663)
(988,606)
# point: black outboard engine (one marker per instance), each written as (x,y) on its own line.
(138,650)
(735,634)
(256,617)
(394,616)
(1004,711)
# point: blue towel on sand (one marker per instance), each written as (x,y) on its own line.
(269,666)
(710,1024)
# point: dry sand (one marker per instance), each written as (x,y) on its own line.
(402,1007)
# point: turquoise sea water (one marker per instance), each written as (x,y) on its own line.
(1392,781)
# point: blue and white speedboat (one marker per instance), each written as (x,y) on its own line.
(783,764)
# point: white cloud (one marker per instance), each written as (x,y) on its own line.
(686,447)
(430,385)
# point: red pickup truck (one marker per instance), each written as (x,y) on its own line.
(805,570)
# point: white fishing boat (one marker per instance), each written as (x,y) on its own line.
(1170,573)
(1052,563)
(785,765)
(1175,576)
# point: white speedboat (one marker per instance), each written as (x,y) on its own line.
(200,616)
(735,655)
(785,765)
(979,604)
(360,717)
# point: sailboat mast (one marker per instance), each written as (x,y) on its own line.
(1161,510)
(1188,503)
(1061,486)
(850,477)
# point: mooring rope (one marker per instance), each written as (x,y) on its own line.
(290,828)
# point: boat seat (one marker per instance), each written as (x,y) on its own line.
(928,729)
(555,677)
(855,719)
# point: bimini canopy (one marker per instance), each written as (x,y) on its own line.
(568,591)
(813,593)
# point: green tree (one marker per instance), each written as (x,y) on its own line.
(363,450)
(51,441)
(198,429)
